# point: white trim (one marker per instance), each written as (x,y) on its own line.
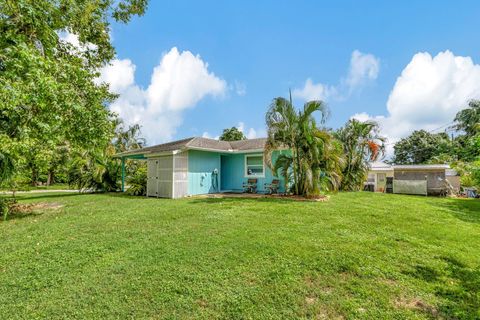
(245,166)
(161,154)
(225,151)
(173,176)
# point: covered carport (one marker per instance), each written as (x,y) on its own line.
(124,156)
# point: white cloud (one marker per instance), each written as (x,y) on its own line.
(179,82)
(207,135)
(314,91)
(120,75)
(364,67)
(428,94)
(73,39)
(240,88)
(251,133)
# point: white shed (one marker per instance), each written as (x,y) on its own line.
(167,175)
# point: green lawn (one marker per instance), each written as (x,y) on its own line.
(357,256)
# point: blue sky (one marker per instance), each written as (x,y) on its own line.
(257,50)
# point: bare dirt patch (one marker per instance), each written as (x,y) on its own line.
(28,208)
(416,304)
(318,285)
(310,300)
(321,198)
(202,303)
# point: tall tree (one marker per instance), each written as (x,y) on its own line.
(127,138)
(48,89)
(232,134)
(421,147)
(362,143)
(96,169)
(468,120)
(313,160)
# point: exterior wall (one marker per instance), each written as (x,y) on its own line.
(160,177)
(201,165)
(233,173)
(435,178)
(454,182)
(410,187)
(380,186)
(180,175)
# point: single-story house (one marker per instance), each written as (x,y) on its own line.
(424,179)
(196,165)
(378,174)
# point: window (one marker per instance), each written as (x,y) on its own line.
(254,166)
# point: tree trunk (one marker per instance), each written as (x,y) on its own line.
(34,177)
(50,177)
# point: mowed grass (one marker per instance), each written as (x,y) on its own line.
(357,256)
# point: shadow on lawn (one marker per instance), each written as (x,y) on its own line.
(462,299)
(46,195)
(227,200)
(467,210)
(458,287)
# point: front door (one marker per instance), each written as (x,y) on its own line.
(381,182)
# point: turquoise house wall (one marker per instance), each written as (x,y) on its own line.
(233,173)
(200,168)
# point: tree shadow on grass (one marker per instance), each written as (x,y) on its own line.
(246,200)
(467,210)
(425,273)
(462,299)
(36,196)
(457,286)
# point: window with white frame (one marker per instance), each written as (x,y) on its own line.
(254,166)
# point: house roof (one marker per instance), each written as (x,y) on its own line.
(381,166)
(200,143)
(422,167)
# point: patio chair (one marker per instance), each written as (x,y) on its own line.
(250,186)
(272,188)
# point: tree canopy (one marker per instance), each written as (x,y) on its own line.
(421,147)
(425,147)
(313,162)
(49,95)
(468,120)
(362,143)
(232,134)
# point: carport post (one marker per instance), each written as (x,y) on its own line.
(123,174)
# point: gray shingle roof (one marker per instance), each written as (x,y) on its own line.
(422,167)
(201,143)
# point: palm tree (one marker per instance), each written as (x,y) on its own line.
(313,161)
(95,171)
(362,144)
(468,120)
(127,139)
(7,166)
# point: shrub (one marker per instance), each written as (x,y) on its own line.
(6,205)
(137,182)
(469,173)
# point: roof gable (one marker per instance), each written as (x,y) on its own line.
(200,143)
